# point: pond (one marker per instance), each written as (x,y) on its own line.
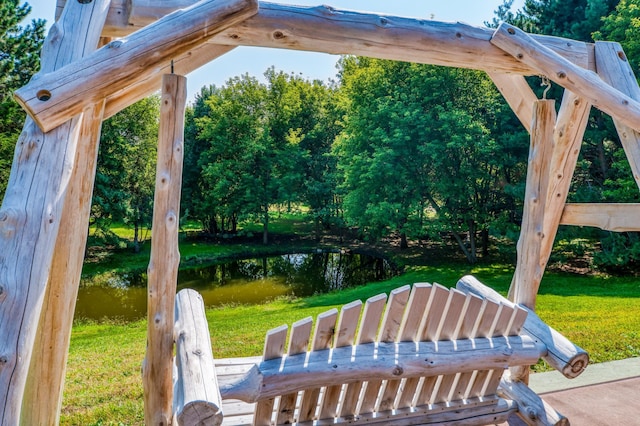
(245,281)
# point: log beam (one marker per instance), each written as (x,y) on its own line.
(567,358)
(529,269)
(57,96)
(607,216)
(516,91)
(31,212)
(583,82)
(182,65)
(330,30)
(385,361)
(157,370)
(614,68)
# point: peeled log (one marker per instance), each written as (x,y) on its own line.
(55,97)
(32,208)
(562,354)
(582,82)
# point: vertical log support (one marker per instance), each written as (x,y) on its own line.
(613,67)
(529,270)
(45,382)
(30,217)
(163,266)
(567,139)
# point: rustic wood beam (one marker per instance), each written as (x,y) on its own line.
(583,82)
(571,124)
(528,273)
(532,409)
(157,369)
(32,209)
(518,94)
(569,359)
(184,64)
(53,98)
(614,68)
(607,216)
(45,382)
(387,361)
(329,30)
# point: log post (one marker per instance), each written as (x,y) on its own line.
(613,67)
(567,140)
(32,209)
(197,393)
(529,269)
(56,96)
(45,382)
(157,369)
(583,82)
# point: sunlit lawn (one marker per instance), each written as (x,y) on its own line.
(104,383)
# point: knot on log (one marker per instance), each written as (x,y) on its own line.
(397,371)
(531,413)
(9,219)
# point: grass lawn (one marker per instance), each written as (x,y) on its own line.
(104,384)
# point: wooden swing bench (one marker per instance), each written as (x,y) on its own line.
(427,355)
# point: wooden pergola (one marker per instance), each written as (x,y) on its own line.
(45,212)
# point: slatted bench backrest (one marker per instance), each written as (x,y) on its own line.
(424,313)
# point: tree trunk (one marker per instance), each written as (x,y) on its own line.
(472,240)
(318,229)
(403,241)
(471,259)
(265,226)
(136,238)
(485,242)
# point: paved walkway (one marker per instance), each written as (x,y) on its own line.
(606,394)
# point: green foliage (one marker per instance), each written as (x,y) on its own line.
(255,145)
(125,177)
(419,136)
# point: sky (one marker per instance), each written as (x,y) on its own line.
(255,60)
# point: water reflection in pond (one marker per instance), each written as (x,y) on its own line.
(247,281)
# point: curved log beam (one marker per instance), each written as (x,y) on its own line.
(582,82)
(329,30)
(55,97)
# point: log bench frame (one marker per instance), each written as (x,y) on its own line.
(427,355)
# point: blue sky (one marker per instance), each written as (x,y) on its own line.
(255,61)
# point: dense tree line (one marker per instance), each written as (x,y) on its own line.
(390,148)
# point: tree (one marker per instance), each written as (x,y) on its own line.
(262,144)
(232,133)
(125,177)
(419,136)
(19,60)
